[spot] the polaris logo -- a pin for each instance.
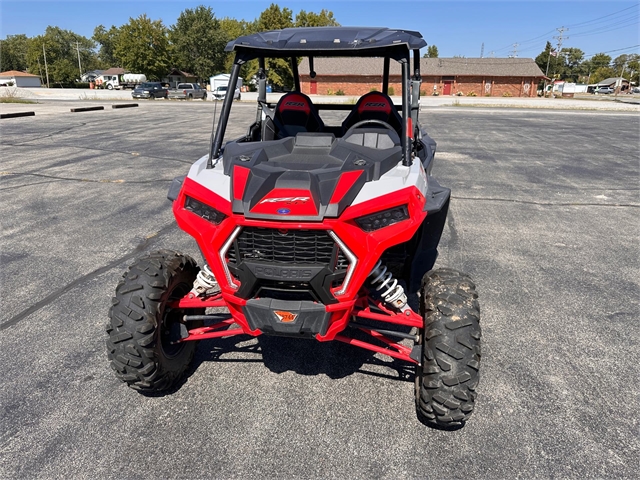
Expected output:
(294, 104)
(288, 200)
(283, 273)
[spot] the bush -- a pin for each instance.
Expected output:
(459, 94)
(340, 92)
(373, 90)
(391, 91)
(329, 91)
(507, 94)
(471, 94)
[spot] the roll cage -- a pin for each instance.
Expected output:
(295, 43)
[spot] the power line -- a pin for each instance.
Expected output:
(611, 51)
(596, 20)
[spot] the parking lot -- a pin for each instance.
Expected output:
(544, 216)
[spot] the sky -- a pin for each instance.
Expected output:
(455, 27)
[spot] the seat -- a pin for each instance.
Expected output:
(296, 113)
(374, 106)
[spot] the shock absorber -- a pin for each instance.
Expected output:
(204, 283)
(394, 293)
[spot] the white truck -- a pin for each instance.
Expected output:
(219, 84)
(121, 82)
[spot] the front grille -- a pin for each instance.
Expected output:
(286, 246)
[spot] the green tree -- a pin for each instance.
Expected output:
(599, 61)
(198, 42)
(143, 47)
(107, 40)
(601, 73)
(432, 52)
(274, 18)
(309, 19)
(627, 66)
(62, 55)
(569, 64)
(233, 29)
(13, 53)
(545, 59)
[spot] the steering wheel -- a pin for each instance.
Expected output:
(365, 122)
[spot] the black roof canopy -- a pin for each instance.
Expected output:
(328, 41)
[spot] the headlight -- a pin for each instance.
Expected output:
(375, 221)
(202, 210)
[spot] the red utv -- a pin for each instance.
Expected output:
(311, 231)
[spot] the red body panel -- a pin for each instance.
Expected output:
(366, 246)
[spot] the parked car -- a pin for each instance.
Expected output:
(150, 90)
(188, 91)
(221, 92)
(635, 90)
(604, 90)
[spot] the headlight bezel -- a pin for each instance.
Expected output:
(383, 218)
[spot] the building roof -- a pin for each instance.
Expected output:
(610, 81)
(175, 71)
(16, 73)
(113, 71)
(488, 67)
(329, 39)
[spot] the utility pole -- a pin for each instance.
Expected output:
(619, 82)
(482, 51)
(79, 64)
(46, 69)
(514, 54)
(560, 38)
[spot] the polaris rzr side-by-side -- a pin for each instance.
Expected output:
(312, 231)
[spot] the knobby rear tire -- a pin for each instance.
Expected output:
(447, 379)
(142, 325)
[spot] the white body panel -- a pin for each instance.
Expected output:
(213, 179)
(397, 178)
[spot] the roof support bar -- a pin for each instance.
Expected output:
(407, 129)
(224, 116)
(296, 75)
(416, 82)
(385, 76)
(262, 88)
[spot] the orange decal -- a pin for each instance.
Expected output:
(286, 317)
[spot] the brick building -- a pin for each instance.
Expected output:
(495, 77)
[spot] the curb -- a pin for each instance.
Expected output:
(86, 109)
(17, 114)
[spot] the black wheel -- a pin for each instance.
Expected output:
(190, 97)
(447, 379)
(143, 328)
(204, 96)
(109, 87)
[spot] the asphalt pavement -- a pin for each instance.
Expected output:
(544, 216)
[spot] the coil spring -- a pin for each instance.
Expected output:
(383, 279)
(204, 281)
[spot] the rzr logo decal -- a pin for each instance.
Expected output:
(285, 317)
(375, 105)
(287, 200)
(294, 104)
